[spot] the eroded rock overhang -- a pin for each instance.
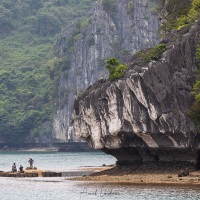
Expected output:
(143, 117)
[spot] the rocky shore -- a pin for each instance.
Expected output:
(128, 175)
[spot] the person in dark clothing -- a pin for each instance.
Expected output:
(21, 169)
(31, 162)
(14, 168)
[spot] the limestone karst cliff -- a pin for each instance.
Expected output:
(127, 27)
(143, 116)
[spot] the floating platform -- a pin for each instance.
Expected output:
(31, 174)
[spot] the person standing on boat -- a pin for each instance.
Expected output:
(31, 162)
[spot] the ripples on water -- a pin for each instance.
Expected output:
(57, 188)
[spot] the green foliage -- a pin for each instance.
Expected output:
(181, 22)
(181, 13)
(194, 12)
(154, 53)
(47, 25)
(116, 70)
(190, 17)
(27, 71)
(175, 9)
(6, 23)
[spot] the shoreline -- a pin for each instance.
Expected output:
(45, 149)
(106, 176)
(158, 180)
(39, 149)
(60, 147)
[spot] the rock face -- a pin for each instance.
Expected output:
(143, 117)
(129, 26)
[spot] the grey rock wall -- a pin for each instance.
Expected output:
(131, 27)
(143, 117)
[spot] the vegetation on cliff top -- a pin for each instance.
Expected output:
(27, 34)
(180, 13)
(183, 13)
(115, 68)
(152, 53)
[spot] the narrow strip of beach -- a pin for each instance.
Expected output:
(36, 149)
(103, 175)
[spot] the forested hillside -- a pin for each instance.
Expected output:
(28, 31)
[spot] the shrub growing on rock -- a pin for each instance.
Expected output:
(115, 68)
(155, 52)
(152, 54)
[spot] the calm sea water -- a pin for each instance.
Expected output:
(57, 161)
(57, 188)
